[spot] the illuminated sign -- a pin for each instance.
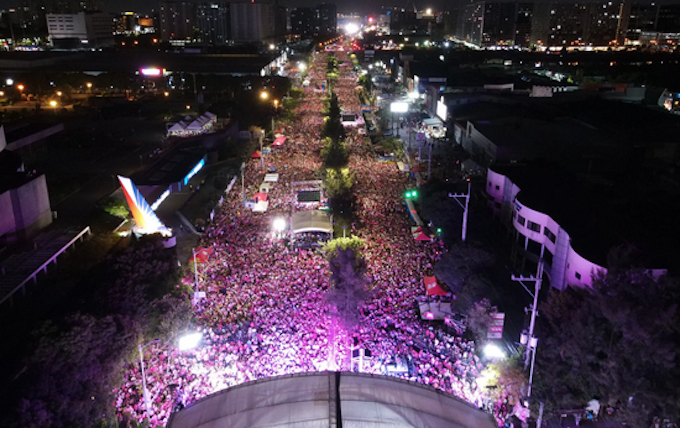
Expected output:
(399, 107)
(151, 72)
(160, 199)
(442, 110)
(194, 171)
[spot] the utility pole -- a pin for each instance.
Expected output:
(529, 340)
(465, 207)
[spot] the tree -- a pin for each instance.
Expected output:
(73, 370)
(348, 291)
(116, 207)
(334, 154)
(332, 124)
(338, 182)
(617, 341)
(479, 318)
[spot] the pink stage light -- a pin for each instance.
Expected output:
(151, 71)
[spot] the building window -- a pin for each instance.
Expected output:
(520, 220)
(534, 226)
(577, 275)
(498, 187)
(547, 257)
(489, 184)
(549, 234)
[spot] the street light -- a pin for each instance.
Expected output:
(493, 352)
(279, 225)
(264, 95)
(53, 103)
(186, 342)
(59, 93)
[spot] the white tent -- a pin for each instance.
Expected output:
(312, 221)
(328, 399)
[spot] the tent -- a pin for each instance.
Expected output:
(256, 155)
(325, 399)
(271, 178)
(261, 207)
(421, 236)
(432, 288)
(265, 187)
(279, 141)
(312, 221)
(201, 254)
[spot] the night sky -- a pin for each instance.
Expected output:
(363, 7)
(344, 6)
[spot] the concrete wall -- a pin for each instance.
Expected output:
(25, 210)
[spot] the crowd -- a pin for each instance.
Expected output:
(265, 312)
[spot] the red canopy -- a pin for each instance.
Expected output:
(260, 197)
(201, 255)
(279, 141)
(256, 155)
(421, 236)
(432, 288)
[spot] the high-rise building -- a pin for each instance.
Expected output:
(496, 23)
(177, 20)
(302, 21)
(212, 19)
(668, 19)
(559, 24)
(321, 20)
(605, 23)
(80, 30)
(326, 19)
(257, 22)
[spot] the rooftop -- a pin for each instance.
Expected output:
(129, 62)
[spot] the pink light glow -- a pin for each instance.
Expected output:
(155, 72)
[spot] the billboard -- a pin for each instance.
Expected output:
(496, 326)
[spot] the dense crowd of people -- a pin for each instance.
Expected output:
(265, 312)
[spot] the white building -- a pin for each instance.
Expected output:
(88, 29)
(539, 236)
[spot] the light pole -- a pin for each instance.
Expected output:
(465, 196)
(196, 295)
(187, 341)
(243, 183)
(529, 340)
